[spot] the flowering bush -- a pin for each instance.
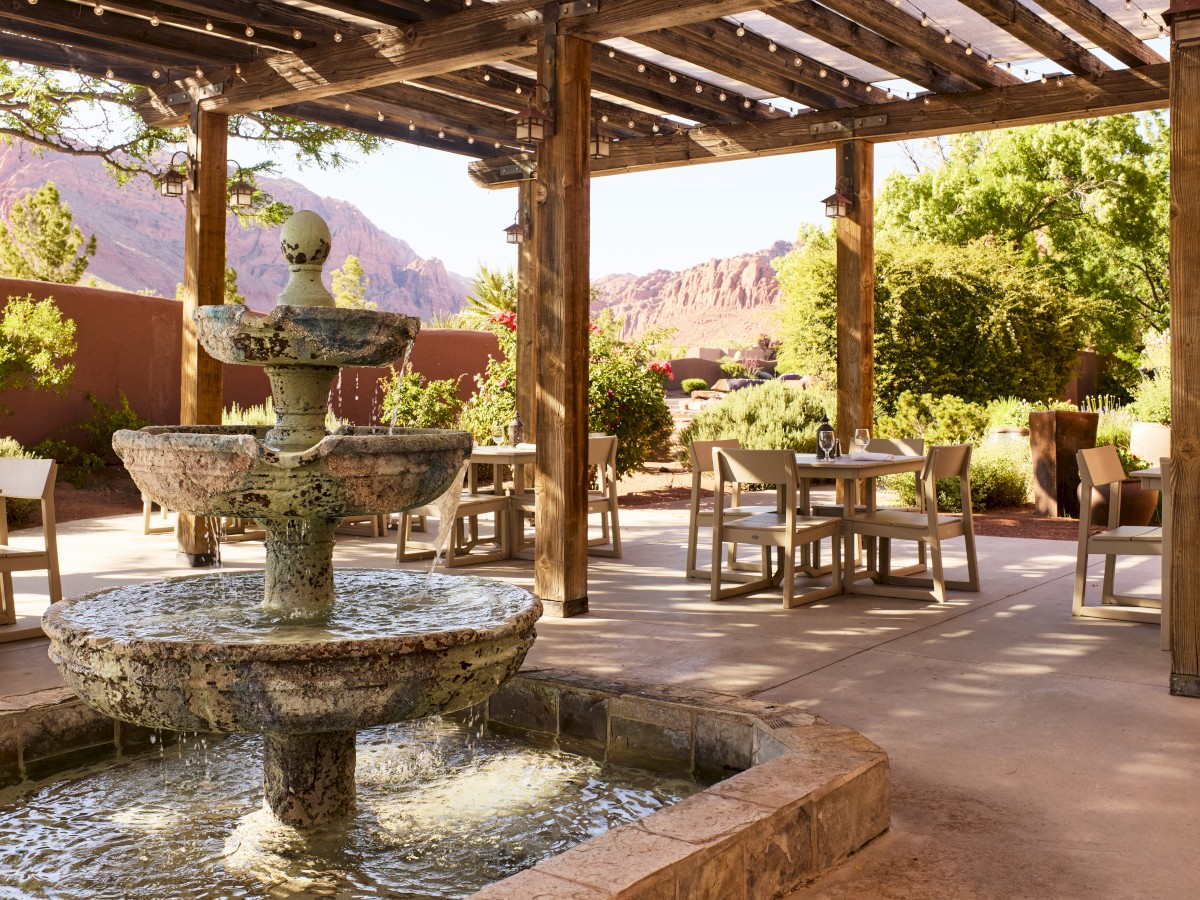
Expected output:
(625, 390)
(411, 401)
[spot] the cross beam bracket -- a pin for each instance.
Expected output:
(847, 126)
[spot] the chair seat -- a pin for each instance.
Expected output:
(899, 518)
(777, 521)
(1125, 534)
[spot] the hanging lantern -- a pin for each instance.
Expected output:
(171, 184)
(532, 123)
(837, 205)
(241, 192)
(600, 143)
(516, 233)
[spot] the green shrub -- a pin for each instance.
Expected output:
(1001, 476)
(693, 384)
(771, 416)
(945, 420)
(18, 512)
(80, 460)
(411, 401)
(626, 384)
(1008, 412)
(36, 344)
(732, 368)
(973, 321)
(257, 414)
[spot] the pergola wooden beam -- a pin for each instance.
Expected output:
(477, 36)
(1078, 97)
(423, 133)
(895, 24)
(850, 37)
(1031, 29)
(1104, 31)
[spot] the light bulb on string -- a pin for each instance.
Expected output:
(199, 72)
(772, 47)
(296, 34)
(337, 37)
(98, 9)
(925, 100)
(746, 103)
(845, 81)
(699, 89)
(470, 139)
(721, 96)
(948, 38)
(869, 88)
(654, 128)
(612, 54)
(672, 78)
(797, 61)
(379, 115)
(604, 118)
(741, 30)
(823, 72)
(441, 133)
(1044, 79)
(154, 20)
(641, 68)
(208, 25)
(237, 68)
(108, 73)
(487, 76)
(154, 73)
(969, 50)
(520, 90)
(924, 20)
(249, 31)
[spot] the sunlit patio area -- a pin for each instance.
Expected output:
(1032, 754)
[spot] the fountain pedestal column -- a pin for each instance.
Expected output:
(299, 568)
(308, 779)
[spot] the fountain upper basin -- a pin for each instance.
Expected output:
(201, 654)
(310, 335)
(229, 471)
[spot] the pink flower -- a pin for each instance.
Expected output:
(594, 328)
(507, 319)
(662, 368)
(503, 383)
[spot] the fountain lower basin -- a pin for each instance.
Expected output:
(203, 654)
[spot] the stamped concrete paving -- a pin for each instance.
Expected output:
(1033, 755)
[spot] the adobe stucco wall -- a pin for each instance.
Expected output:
(132, 343)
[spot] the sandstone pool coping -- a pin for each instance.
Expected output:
(801, 794)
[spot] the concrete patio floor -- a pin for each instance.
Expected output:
(1033, 755)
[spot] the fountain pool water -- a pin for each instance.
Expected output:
(298, 663)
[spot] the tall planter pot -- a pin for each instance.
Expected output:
(1054, 438)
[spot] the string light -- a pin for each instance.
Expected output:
(379, 115)
(969, 50)
(991, 63)
(654, 128)
(612, 54)
(470, 138)
(441, 133)
(520, 90)
(870, 88)
(237, 68)
(1059, 81)
(889, 94)
(924, 20)
(746, 103)
(604, 118)
(346, 107)
(699, 89)
(741, 30)
(948, 38)
(487, 76)
(249, 31)
(925, 100)
(33, 2)
(496, 145)
(208, 25)
(108, 73)
(772, 47)
(641, 68)
(822, 72)
(797, 61)
(721, 96)
(199, 72)
(337, 37)
(154, 20)
(154, 73)
(98, 9)
(296, 33)
(672, 78)
(845, 81)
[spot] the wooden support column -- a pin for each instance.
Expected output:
(856, 291)
(1185, 349)
(527, 312)
(562, 237)
(203, 284)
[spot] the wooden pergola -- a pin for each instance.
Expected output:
(662, 83)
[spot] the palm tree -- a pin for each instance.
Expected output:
(492, 292)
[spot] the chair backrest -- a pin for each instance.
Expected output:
(602, 451)
(757, 466)
(897, 446)
(947, 461)
(702, 453)
(1100, 465)
(27, 479)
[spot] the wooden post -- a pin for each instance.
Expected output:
(856, 291)
(527, 309)
(562, 238)
(203, 284)
(1184, 539)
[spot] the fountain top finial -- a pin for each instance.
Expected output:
(305, 242)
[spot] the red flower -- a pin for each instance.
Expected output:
(594, 328)
(662, 368)
(507, 319)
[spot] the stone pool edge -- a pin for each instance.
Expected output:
(804, 794)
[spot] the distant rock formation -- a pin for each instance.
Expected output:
(140, 237)
(717, 302)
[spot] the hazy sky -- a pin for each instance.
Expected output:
(667, 219)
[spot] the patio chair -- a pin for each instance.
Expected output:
(27, 479)
(700, 515)
(1100, 466)
(601, 501)
(148, 527)
(783, 527)
(929, 527)
(460, 530)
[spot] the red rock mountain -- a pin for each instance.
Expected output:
(140, 237)
(712, 304)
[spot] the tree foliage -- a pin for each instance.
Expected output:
(40, 240)
(350, 286)
(95, 117)
(232, 296)
(36, 345)
(973, 321)
(1087, 201)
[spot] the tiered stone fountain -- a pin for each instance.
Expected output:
(321, 655)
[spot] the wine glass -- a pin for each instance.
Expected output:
(498, 435)
(825, 443)
(862, 437)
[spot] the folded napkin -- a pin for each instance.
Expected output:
(872, 457)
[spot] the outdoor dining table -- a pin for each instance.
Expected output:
(849, 469)
(1152, 480)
